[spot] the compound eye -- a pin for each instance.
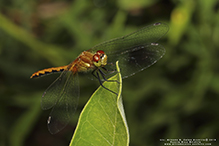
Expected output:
(100, 52)
(96, 57)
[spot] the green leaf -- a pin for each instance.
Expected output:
(102, 121)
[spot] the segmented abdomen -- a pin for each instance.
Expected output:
(48, 71)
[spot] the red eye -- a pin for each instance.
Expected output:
(100, 52)
(96, 57)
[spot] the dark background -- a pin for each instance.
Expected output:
(178, 97)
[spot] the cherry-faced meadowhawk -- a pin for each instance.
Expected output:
(135, 52)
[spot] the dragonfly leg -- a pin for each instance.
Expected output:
(112, 70)
(104, 74)
(97, 75)
(109, 72)
(93, 73)
(101, 83)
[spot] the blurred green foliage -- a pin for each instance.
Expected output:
(175, 98)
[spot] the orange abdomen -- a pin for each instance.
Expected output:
(48, 71)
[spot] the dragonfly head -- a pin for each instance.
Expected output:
(100, 59)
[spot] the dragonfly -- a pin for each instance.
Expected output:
(135, 52)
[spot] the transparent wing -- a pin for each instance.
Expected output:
(135, 51)
(63, 94)
(136, 59)
(52, 93)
